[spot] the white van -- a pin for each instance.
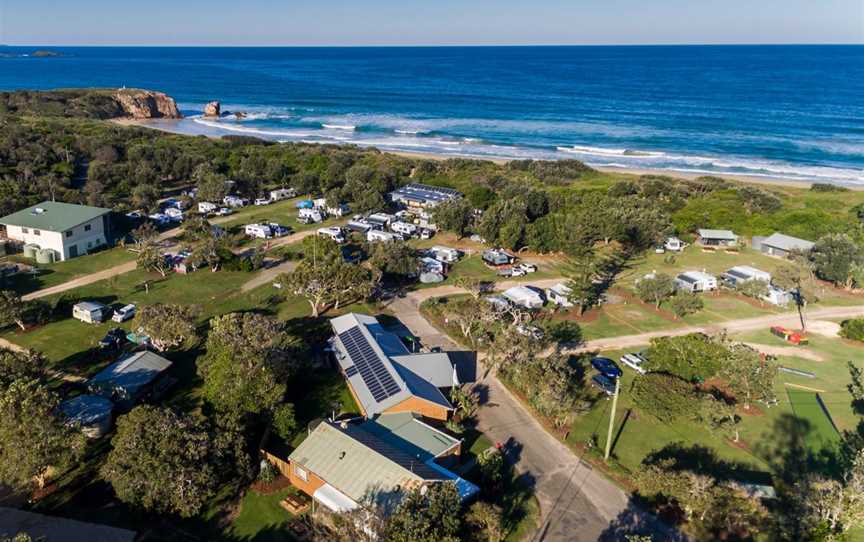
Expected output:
(124, 313)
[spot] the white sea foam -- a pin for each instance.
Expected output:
(347, 127)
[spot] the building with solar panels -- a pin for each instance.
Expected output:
(384, 377)
(423, 196)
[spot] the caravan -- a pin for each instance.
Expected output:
(560, 295)
(332, 233)
(445, 254)
(738, 275)
(282, 193)
(377, 235)
(403, 228)
(259, 231)
(205, 207)
(309, 216)
(695, 281)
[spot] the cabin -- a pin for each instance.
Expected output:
(58, 231)
(127, 381)
(560, 295)
(497, 257)
(717, 238)
(695, 281)
(445, 254)
(781, 246)
(423, 196)
(90, 312)
(738, 275)
(382, 375)
(342, 465)
(91, 414)
(374, 236)
(525, 297)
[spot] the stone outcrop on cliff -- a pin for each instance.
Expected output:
(147, 104)
(212, 109)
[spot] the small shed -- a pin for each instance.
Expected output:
(90, 312)
(717, 238)
(560, 295)
(90, 413)
(128, 380)
(781, 245)
(524, 296)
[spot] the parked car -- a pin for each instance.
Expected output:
(124, 313)
(606, 384)
(527, 267)
(113, 339)
(634, 361)
(262, 201)
(222, 211)
(607, 367)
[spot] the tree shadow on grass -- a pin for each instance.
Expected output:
(636, 520)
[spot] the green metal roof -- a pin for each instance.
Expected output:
(406, 431)
(53, 216)
(357, 463)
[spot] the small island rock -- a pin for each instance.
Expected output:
(212, 109)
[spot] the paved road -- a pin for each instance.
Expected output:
(577, 503)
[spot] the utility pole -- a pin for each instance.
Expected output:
(612, 419)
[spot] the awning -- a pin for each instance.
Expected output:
(466, 489)
(334, 499)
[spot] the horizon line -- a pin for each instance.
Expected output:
(444, 46)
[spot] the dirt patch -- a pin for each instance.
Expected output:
(790, 351)
(749, 300)
(278, 484)
(741, 444)
(591, 315)
(751, 410)
(824, 328)
(628, 297)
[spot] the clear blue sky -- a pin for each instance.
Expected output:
(432, 22)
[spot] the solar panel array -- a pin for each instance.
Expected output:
(372, 370)
(351, 371)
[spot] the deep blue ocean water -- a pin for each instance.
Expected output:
(775, 111)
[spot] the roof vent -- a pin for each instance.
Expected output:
(38, 210)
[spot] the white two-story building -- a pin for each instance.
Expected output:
(67, 229)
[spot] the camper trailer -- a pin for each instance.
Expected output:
(374, 236)
(673, 244)
(90, 312)
(333, 233)
(560, 295)
(695, 281)
(258, 231)
(282, 193)
(497, 257)
(445, 254)
(309, 216)
(380, 220)
(403, 228)
(235, 201)
(205, 207)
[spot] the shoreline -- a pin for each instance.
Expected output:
(777, 182)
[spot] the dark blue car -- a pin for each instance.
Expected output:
(607, 367)
(606, 385)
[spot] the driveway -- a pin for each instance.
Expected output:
(576, 502)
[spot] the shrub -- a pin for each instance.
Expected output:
(853, 329)
(827, 187)
(665, 397)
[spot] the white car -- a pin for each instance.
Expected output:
(223, 211)
(530, 331)
(123, 313)
(634, 361)
(262, 201)
(518, 271)
(527, 267)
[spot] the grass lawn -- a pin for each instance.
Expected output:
(60, 272)
(261, 519)
(282, 212)
(806, 406)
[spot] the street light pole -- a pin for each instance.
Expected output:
(612, 419)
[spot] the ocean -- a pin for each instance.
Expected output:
(794, 112)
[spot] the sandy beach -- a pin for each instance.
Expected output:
(175, 127)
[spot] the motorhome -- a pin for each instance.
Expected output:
(235, 201)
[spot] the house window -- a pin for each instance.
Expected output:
(69, 233)
(25, 230)
(87, 227)
(37, 232)
(301, 473)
